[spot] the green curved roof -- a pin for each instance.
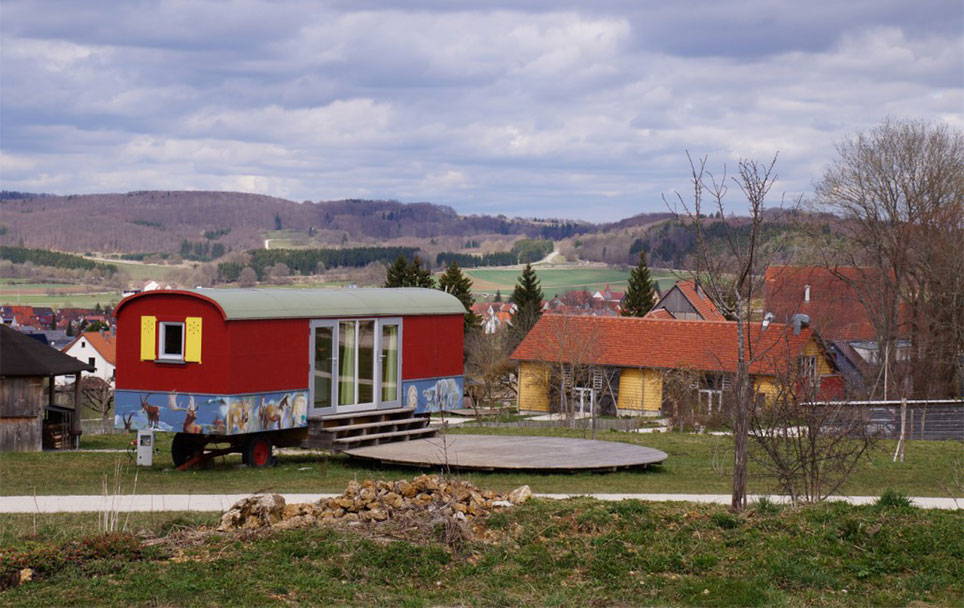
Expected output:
(315, 303)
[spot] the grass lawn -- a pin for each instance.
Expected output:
(542, 553)
(557, 281)
(689, 469)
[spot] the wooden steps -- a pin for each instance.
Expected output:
(374, 427)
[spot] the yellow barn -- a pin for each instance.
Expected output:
(632, 357)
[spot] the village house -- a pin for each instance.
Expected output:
(836, 303)
(629, 357)
(685, 301)
(99, 350)
(494, 316)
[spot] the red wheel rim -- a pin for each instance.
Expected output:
(260, 453)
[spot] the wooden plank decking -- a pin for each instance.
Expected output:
(497, 452)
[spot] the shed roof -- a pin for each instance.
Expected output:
(240, 304)
(24, 356)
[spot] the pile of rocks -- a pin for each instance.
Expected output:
(374, 501)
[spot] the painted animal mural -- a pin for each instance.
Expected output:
(270, 413)
(190, 413)
(199, 414)
(190, 426)
(153, 412)
(238, 412)
(299, 411)
(443, 395)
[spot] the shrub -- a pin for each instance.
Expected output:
(765, 506)
(893, 500)
(727, 521)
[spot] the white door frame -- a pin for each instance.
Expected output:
(376, 403)
(333, 324)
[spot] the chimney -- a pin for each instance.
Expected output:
(799, 322)
(806, 293)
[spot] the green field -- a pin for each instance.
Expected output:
(557, 281)
(80, 300)
(142, 272)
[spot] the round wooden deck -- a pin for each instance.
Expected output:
(511, 453)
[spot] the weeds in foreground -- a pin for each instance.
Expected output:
(567, 553)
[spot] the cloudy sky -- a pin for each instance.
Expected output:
(525, 107)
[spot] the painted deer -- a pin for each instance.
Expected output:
(153, 412)
(189, 425)
(127, 421)
(271, 414)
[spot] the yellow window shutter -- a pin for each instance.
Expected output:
(192, 339)
(148, 338)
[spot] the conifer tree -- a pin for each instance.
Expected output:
(498, 296)
(527, 297)
(456, 283)
(640, 295)
(420, 276)
(398, 273)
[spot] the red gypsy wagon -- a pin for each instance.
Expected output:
(260, 367)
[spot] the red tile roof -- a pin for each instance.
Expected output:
(105, 344)
(642, 342)
(835, 307)
(659, 313)
(700, 301)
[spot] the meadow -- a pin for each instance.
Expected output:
(557, 281)
(696, 464)
(579, 552)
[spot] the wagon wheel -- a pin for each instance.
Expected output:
(184, 447)
(257, 452)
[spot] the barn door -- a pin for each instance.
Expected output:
(323, 358)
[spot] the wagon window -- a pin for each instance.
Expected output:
(171, 342)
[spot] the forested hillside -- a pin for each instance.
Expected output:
(191, 223)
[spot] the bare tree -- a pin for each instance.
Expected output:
(731, 277)
(98, 395)
(808, 447)
(248, 277)
(487, 365)
(899, 189)
(571, 345)
(681, 397)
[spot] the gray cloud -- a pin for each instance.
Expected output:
(533, 108)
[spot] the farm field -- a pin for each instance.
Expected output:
(141, 272)
(929, 468)
(557, 281)
(37, 295)
(579, 552)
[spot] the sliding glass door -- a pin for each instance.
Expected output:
(355, 364)
(322, 352)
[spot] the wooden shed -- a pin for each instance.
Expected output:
(26, 414)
